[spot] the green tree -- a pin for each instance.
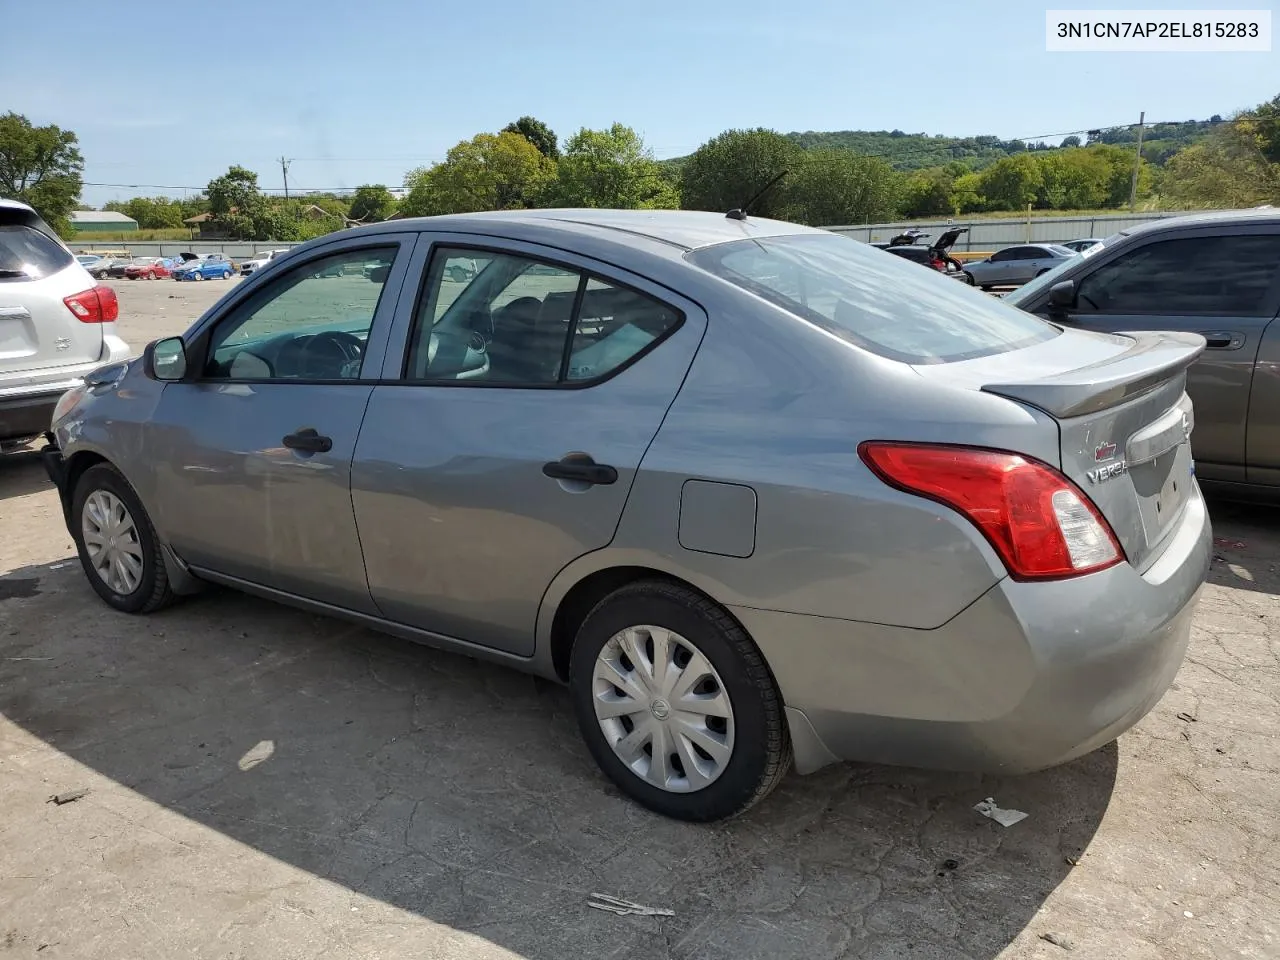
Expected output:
(966, 194)
(1071, 141)
(728, 170)
(537, 133)
(152, 213)
(234, 191)
(834, 187)
(488, 172)
(1220, 174)
(372, 202)
(1011, 183)
(611, 168)
(927, 193)
(41, 166)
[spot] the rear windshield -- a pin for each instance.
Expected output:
(883, 304)
(27, 254)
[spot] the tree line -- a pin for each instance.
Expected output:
(827, 181)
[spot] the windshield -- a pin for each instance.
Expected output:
(886, 305)
(1029, 290)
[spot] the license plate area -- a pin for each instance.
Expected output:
(1162, 486)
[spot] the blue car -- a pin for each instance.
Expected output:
(204, 270)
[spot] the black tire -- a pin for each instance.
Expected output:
(986, 288)
(1042, 272)
(762, 747)
(152, 591)
(968, 278)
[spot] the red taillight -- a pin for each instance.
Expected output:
(939, 265)
(95, 305)
(1042, 525)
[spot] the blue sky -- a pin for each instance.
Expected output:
(172, 94)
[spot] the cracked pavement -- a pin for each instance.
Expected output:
(265, 783)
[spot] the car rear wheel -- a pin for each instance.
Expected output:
(676, 704)
(117, 543)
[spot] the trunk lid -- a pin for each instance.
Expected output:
(1124, 420)
(948, 239)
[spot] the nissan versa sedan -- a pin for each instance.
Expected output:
(763, 497)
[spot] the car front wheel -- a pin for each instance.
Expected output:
(968, 278)
(117, 544)
(676, 704)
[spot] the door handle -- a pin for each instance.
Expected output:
(308, 440)
(1223, 339)
(581, 468)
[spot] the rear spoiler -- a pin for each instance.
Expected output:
(19, 214)
(1153, 359)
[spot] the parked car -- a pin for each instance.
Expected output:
(56, 323)
(1015, 265)
(912, 246)
(259, 260)
(1078, 245)
(204, 269)
(1216, 275)
(700, 471)
(87, 260)
(146, 268)
(101, 269)
(116, 270)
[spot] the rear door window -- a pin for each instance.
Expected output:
(27, 254)
(1222, 276)
(881, 304)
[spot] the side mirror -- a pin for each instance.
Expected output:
(166, 360)
(1062, 296)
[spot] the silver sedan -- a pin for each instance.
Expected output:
(764, 498)
(1014, 266)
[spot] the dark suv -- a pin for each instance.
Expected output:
(911, 245)
(1215, 274)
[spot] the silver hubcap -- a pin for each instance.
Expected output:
(111, 540)
(663, 709)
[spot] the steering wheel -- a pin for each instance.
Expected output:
(318, 354)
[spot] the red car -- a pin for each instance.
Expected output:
(146, 268)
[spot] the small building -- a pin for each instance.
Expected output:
(101, 221)
(203, 225)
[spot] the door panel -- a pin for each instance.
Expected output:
(461, 525)
(234, 498)
(1263, 436)
(253, 452)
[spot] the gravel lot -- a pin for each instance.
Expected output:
(269, 784)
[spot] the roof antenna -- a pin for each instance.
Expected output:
(740, 213)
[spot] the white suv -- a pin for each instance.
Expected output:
(56, 323)
(259, 260)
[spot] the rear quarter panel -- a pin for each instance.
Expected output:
(777, 405)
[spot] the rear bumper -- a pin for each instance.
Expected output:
(27, 415)
(1029, 676)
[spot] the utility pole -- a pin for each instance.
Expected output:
(284, 170)
(1137, 164)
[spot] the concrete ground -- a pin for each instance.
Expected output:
(269, 784)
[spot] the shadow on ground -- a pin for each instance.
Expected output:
(21, 473)
(1246, 546)
(460, 791)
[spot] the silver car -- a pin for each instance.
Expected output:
(763, 497)
(56, 323)
(1016, 265)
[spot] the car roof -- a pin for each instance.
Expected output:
(684, 229)
(1210, 218)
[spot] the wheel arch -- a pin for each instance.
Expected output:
(575, 593)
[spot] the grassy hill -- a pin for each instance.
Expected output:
(917, 151)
